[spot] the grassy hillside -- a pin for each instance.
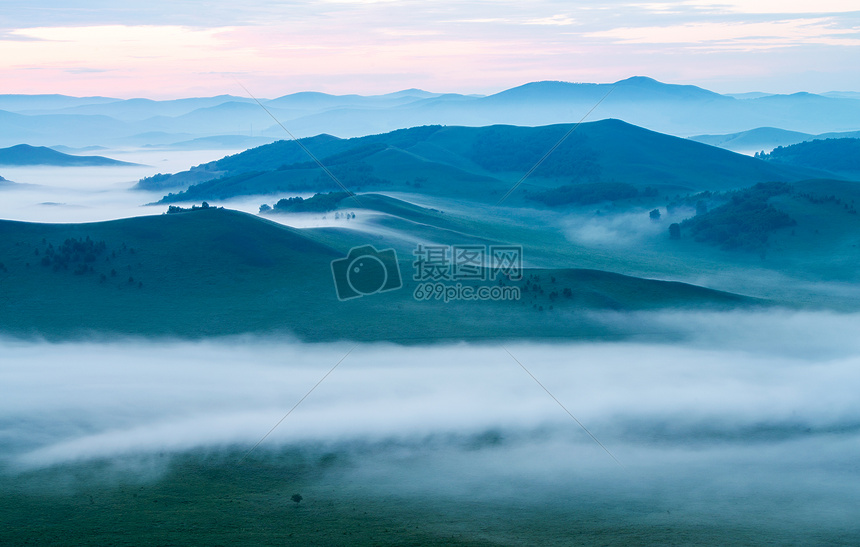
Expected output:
(481, 162)
(215, 272)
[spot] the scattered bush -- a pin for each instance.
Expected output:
(745, 221)
(319, 203)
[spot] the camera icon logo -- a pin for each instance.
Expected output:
(365, 271)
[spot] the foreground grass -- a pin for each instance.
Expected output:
(214, 498)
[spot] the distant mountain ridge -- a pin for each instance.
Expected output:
(766, 139)
(478, 162)
(638, 88)
(680, 110)
(18, 102)
(24, 154)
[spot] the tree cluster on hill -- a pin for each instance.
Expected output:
(744, 221)
(319, 203)
(174, 209)
(81, 252)
(588, 193)
(840, 155)
(83, 257)
(155, 182)
(832, 199)
(701, 201)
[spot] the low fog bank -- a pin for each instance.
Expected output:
(741, 382)
(616, 230)
(752, 423)
(814, 336)
(92, 194)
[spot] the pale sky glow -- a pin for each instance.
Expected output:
(769, 34)
(162, 49)
(775, 6)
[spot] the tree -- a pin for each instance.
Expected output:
(296, 498)
(674, 231)
(654, 214)
(701, 207)
(265, 208)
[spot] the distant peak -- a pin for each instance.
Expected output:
(27, 147)
(640, 79)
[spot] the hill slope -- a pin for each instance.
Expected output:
(481, 162)
(838, 156)
(216, 272)
(766, 138)
(24, 154)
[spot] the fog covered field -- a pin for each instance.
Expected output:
(733, 433)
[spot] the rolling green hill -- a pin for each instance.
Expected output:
(480, 163)
(217, 272)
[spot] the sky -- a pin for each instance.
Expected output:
(165, 49)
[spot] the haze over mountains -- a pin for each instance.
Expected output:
(674, 109)
(594, 211)
(766, 139)
(691, 303)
